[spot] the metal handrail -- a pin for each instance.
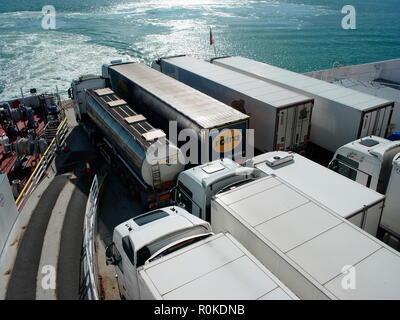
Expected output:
(46, 155)
(89, 285)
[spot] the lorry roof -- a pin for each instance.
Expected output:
(200, 108)
(216, 268)
(147, 233)
(216, 169)
(313, 239)
(377, 149)
(320, 183)
(267, 93)
(345, 96)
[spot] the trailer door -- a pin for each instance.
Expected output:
(302, 125)
(365, 125)
(386, 114)
(286, 128)
(293, 126)
(376, 122)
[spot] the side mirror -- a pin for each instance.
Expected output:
(110, 257)
(173, 195)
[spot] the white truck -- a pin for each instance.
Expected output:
(340, 115)
(280, 118)
(354, 202)
(374, 162)
(170, 254)
(315, 252)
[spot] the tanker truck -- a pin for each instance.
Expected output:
(127, 140)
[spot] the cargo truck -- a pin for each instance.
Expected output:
(170, 254)
(374, 163)
(147, 159)
(314, 251)
(360, 205)
(280, 118)
(354, 202)
(303, 242)
(217, 129)
(340, 115)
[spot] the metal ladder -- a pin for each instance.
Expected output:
(156, 175)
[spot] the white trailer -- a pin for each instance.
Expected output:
(391, 217)
(164, 101)
(315, 252)
(279, 117)
(354, 202)
(380, 89)
(170, 254)
(340, 115)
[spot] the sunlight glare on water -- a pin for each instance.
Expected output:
(300, 35)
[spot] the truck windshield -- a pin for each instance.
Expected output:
(180, 245)
(150, 249)
(150, 217)
(236, 184)
(343, 169)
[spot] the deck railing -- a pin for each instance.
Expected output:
(43, 164)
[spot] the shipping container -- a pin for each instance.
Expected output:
(340, 115)
(314, 251)
(279, 117)
(162, 100)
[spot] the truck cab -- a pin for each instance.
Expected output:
(367, 161)
(196, 186)
(77, 92)
(148, 237)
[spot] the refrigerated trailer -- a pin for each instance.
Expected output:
(314, 251)
(162, 99)
(354, 202)
(279, 117)
(340, 115)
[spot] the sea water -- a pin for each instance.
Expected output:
(300, 35)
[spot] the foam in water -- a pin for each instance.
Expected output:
(48, 60)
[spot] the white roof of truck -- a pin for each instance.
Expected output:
(218, 268)
(336, 192)
(314, 87)
(316, 241)
(267, 93)
(200, 108)
(378, 147)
